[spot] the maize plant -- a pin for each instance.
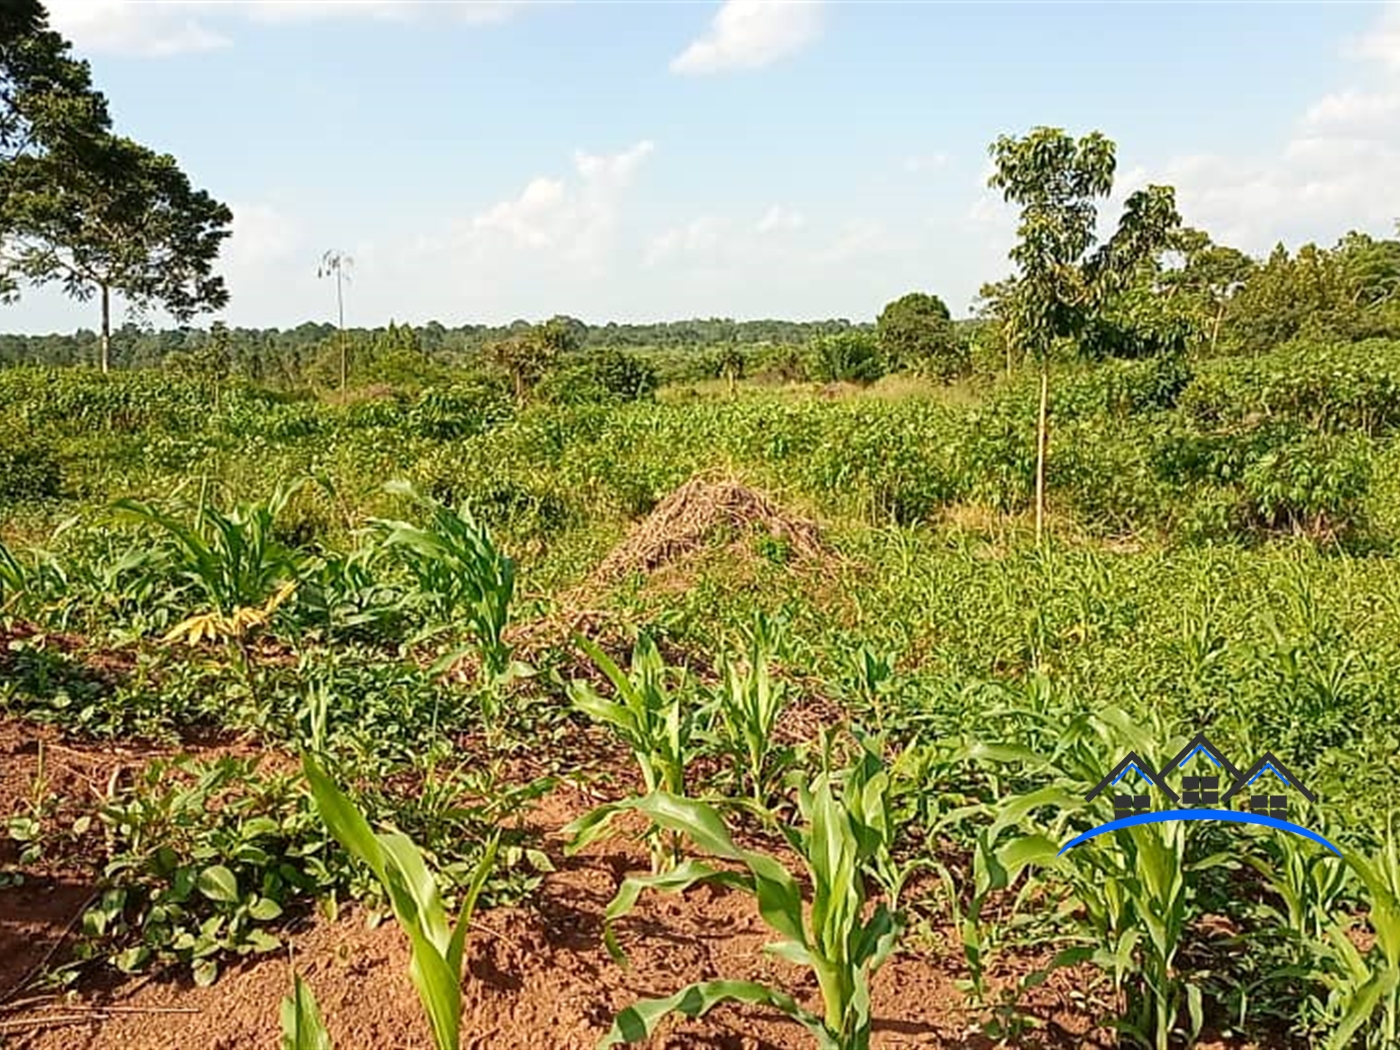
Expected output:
(748, 703)
(435, 965)
(652, 720)
(302, 1027)
(233, 559)
(1365, 987)
(845, 841)
(459, 573)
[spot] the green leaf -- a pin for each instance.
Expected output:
(640, 1019)
(302, 1027)
(218, 884)
(265, 909)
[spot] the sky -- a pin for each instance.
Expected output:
(482, 162)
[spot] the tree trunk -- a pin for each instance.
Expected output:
(1041, 442)
(106, 329)
(1215, 328)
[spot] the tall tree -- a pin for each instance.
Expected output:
(916, 331)
(109, 215)
(46, 100)
(1060, 285)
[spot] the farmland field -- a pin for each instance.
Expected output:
(202, 589)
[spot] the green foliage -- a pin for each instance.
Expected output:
(29, 469)
(916, 332)
(846, 357)
(203, 859)
(846, 839)
(652, 719)
(748, 702)
(460, 574)
(435, 965)
(302, 1027)
(606, 376)
(232, 559)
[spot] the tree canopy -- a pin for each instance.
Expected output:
(97, 212)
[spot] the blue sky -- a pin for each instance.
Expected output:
(752, 158)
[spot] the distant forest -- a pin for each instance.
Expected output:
(273, 354)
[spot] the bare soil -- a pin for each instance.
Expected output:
(538, 976)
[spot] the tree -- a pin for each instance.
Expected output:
(46, 100)
(46, 95)
(1059, 286)
(336, 263)
(847, 357)
(916, 331)
(109, 215)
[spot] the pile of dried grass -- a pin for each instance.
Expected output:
(686, 519)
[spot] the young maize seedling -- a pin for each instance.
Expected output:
(302, 1027)
(748, 702)
(435, 965)
(460, 572)
(1366, 991)
(846, 838)
(651, 720)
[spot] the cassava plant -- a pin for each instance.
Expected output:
(435, 965)
(845, 844)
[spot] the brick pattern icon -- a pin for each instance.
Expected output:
(1127, 805)
(1200, 791)
(1268, 805)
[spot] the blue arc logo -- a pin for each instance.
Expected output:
(1199, 814)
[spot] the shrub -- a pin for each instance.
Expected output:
(599, 376)
(29, 470)
(846, 357)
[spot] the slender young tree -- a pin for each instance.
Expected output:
(336, 263)
(1059, 286)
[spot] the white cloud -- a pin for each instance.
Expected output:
(262, 234)
(128, 28)
(778, 218)
(747, 34)
(1353, 109)
(1382, 41)
(573, 222)
(149, 29)
(699, 237)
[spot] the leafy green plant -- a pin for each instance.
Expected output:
(652, 719)
(204, 860)
(302, 1027)
(748, 702)
(845, 841)
(435, 965)
(1365, 986)
(232, 559)
(459, 572)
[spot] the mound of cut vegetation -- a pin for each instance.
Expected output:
(705, 506)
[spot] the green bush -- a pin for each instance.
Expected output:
(846, 357)
(599, 376)
(29, 470)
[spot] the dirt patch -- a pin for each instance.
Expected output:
(538, 977)
(705, 506)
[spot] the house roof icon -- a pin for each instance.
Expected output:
(1266, 764)
(1198, 744)
(1131, 761)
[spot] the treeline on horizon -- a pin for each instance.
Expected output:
(268, 354)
